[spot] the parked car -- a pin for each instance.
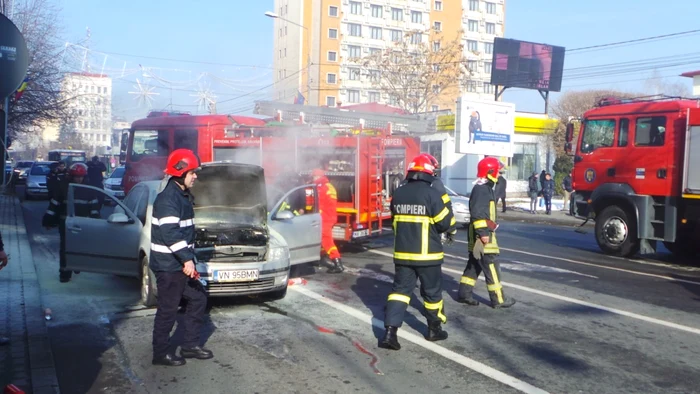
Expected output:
(113, 184)
(21, 170)
(460, 207)
(36, 180)
(243, 245)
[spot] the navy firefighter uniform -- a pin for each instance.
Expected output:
(419, 217)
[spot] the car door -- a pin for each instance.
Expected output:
(302, 231)
(105, 245)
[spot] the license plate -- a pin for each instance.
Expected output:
(236, 276)
(361, 233)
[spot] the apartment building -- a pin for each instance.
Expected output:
(315, 41)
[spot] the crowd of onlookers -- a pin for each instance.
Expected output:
(540, 190)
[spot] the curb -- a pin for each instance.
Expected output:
(541, 218)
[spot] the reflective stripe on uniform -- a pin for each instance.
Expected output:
(399, 297)
(480, 224)
(453, 221)
(50, 212)
(54, 202)
(419, 256)
(165, 220)
(172, 249)
(441, 215)
(94, 212)
(86, 201)
(497, 287)
(445, 198)
(187, 223)
(468, 281)
(436, 306)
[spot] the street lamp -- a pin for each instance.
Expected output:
(273, 15)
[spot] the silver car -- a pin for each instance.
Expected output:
(243, 246)
(113, 184)
(36, 180)
(460, 207)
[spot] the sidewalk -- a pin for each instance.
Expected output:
(518, 210)
(28, 361)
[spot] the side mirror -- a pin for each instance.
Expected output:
(119, 210)
(118, 218)
(568, 148)
(284, 215)
(569, 132)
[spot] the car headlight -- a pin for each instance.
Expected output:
(458, 206)
(278, 253)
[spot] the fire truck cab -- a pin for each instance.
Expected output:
(637, 174)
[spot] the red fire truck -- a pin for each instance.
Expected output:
(364, 165)
(637, 174)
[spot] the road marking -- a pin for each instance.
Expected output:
(620, 312)
(420, 341)
(595, 265)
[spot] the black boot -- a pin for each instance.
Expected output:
(435, 332)
(196, 352)
(390, 340)
(337, 266)
(465, 295)
(169, 360)
(505, 302)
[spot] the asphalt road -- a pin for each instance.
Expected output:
(584, 322)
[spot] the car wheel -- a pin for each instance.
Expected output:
(277, 295)
(148, 284)
(616, 232)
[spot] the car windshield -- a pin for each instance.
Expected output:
(42, 169)
(118, 173)
(24, 164)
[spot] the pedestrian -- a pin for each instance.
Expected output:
(172, 260)
(85, 203)
(533, 192)
(3, 263)
(541, 178)
(96, 170)
(568, 186)
(548, 192)
(56, 175)
(327, 204)
(483, 246)
(419, 215)
(500, 190)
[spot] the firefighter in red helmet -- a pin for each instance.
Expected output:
(85, 202)
(327, 205)
(172, 260)
(483, 246)
(419, 216)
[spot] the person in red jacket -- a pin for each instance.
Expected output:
(327, 205)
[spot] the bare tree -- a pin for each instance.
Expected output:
(416, 73)
(657, 85)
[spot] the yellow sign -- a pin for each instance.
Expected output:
(446, 123)
(524, 124)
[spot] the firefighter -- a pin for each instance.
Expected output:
(55, 177)
(173, 262)
(419, 216)
(483, 246)
(86, 205)
(327, 205)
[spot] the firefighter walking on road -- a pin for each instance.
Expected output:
(327, 204)
(172, 260)
(419, 216)
(483, 246)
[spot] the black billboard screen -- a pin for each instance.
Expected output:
(521, 64)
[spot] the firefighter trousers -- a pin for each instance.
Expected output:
(327, 242)
(173, 287)
(62, 250)
(430, 290)
(492, 271)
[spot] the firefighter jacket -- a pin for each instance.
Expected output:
(437, 184)
(419, 215)
(53, 180)
(327, 201)
(172, 229)
(85, 203)
(482, 207)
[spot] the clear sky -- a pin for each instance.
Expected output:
(235, 39)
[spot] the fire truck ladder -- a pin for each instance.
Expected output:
(375, 169)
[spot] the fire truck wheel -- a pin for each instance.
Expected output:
(616, 232)
(148, 284)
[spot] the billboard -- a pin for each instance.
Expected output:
(522, 64)
(485, 127)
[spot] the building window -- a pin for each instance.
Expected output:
(488, 88)
(487, 67)
(472, 65)
(354, 51)
(355, 8)
(435, 108)
(436, 46)
(353, 96)
(396, 35)
(437, 26)
(354, 74)
(488, 47)
(374, 51)
(490, 8)
(473, 5)
(105, 90)
(377, 11)
(332, 11)
(438, 5)
(374, 75)
(524, 161)
(397, 14)
(416, 17)
(416, 38)
(472, 45)
(490, 28)
(355, 30)
(374, 97)
(376, 32)
(331, 79)
(285, 52)
(471, 86)
(436, 89)
(333, 33)
(473, 25)
(332, 56)
(330, 101)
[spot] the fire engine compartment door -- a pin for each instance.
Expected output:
(691, 169)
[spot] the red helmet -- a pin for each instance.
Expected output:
(488, 168)
(180, 162)
(318, 172)
(422, 163)
(432, 159)
(77, 169)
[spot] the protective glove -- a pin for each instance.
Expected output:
(448, 239)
